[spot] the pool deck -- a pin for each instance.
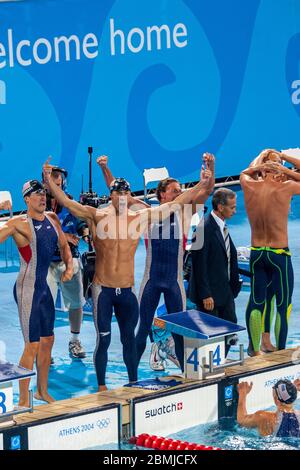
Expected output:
(123, 395)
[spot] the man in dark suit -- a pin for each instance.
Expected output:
(214, 282)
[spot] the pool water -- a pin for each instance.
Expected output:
(234, 437)
(73, 377)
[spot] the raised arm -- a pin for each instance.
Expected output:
(263, 156)
(243, 418)
(292, 174)
(264, 421)
(163, 211)
(280, 169)
(209, 160)
(207, 177)
(108, 176)
(295, 161)
(83, 212)
(250, 174)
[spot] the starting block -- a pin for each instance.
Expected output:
(8, 374)
(204, 341)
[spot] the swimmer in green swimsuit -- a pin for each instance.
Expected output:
(268, 190)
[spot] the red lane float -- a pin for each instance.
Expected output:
(162, 443)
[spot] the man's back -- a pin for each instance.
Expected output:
(267, 204)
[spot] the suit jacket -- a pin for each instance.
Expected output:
(209, 275)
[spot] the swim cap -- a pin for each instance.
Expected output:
(286, 391)
(119, 185)
(32, 186)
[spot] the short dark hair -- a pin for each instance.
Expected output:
(162, 186)
(221, 196)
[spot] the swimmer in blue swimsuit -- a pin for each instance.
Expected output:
(36, 237)
(284, 422)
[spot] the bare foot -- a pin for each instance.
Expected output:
(257, 353)
(266, 345)
(102, 388)
(253, 353)
(268, 348)
(24, 404)
(44, 396)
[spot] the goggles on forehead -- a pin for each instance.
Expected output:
(40, 192)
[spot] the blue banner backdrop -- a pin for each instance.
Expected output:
(149, 83)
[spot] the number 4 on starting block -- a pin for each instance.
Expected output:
(196, 353)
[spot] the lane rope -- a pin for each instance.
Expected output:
(162, 443)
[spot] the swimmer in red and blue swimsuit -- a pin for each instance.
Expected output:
(36, 237)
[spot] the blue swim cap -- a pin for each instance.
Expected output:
(286, 391)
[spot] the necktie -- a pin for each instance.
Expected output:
(227, 246)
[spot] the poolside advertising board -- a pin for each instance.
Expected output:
(173, 412)
(83, 431)
(261, 396)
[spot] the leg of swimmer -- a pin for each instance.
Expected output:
(254, 326)
(102, 319)
(127, 314)
(284, 284)
(148, 305)
(268, 315)
(256, 302)
(281, 326)
(43, 365)
(27, 361)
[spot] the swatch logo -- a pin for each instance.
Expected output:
(165, 409)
